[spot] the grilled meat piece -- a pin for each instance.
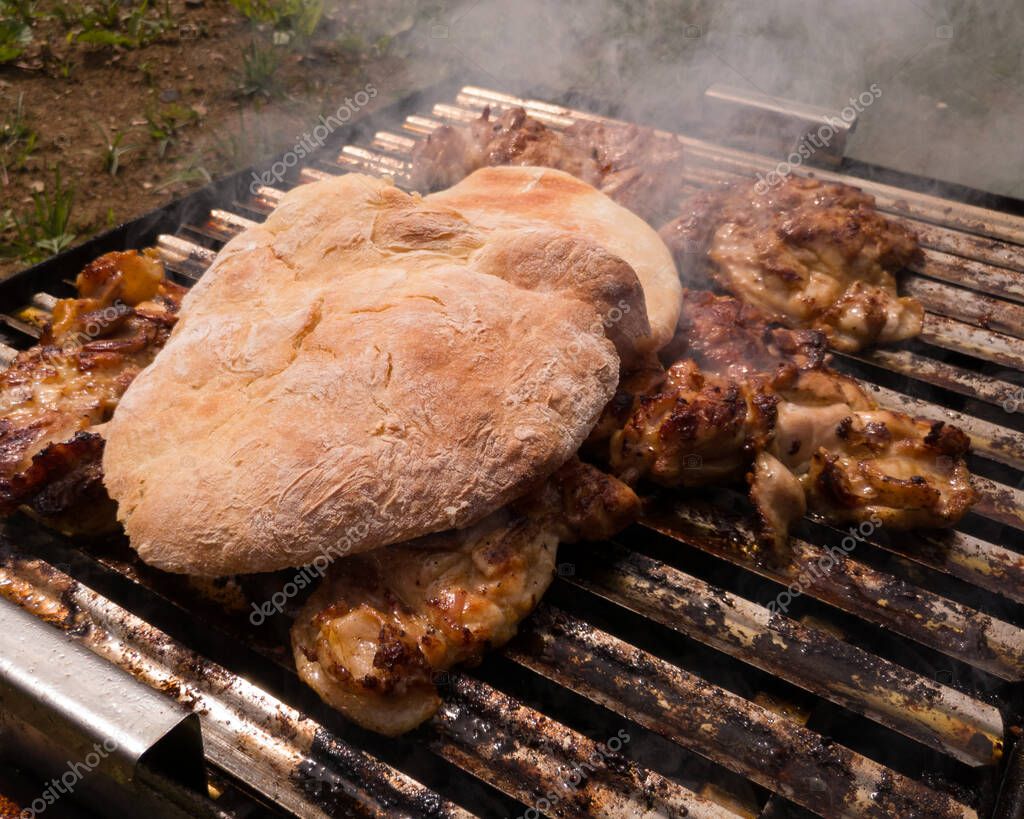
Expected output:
(453, 152)
(385, 626)
(637, 167)
(806, 253)
(694, 429)
(727, 337)
(53, 394)
(749, 397)
(858, 462)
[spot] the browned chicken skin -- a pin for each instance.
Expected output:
(805, 253)
(54, 394)
(749, 398)
(637, 167)
(377, 635)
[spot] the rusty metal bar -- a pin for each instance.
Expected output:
(831, 576)
(974, 341)
(985, 388)
(999, 502)
(915, 706)
(779, 754)
(547, 765)
(967, 306)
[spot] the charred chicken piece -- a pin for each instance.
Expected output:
(691, 429)
(637, 167)
(452, 152)
(727, 337)
(805, 253)
(54, 394)
(384, 626)
(858, 462)
(748, 397)
(640, 168)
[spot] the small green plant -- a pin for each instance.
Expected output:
(113, 151)
(15, 36)
(23, 10)
(17, 139)
(111, 23)
(258, 76)
(192, 171)
(293, 21)
(164, 124)
(45, 230)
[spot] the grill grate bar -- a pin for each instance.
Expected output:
(993, 391)
(779, 754)
(988, 251)
(973, 560)
(832, 577)
(967, 306)
(973, 341)
(812, 659)
(541, 762)
(999, 502)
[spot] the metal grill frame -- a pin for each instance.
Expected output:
(194, 209)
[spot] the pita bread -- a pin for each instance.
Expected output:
(362, 369)
(521, 196)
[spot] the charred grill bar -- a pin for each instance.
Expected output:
(890, 683)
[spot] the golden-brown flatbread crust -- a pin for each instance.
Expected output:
(511, 196)
(357, 371)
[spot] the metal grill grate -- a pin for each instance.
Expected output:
(889, 688)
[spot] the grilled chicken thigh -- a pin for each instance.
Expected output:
(53, 395)
(859, 462)
(376, 637)
(692, 429)
(805, 253)
(750, 398)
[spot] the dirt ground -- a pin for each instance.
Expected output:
(129, 127)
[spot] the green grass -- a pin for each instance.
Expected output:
(165, 123)
(45, 229)
(15, 32)
(113, 23)
(294, 21)
(17, 140)
(258, 76)
(113, 152)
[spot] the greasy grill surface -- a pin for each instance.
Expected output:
(669, 673)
